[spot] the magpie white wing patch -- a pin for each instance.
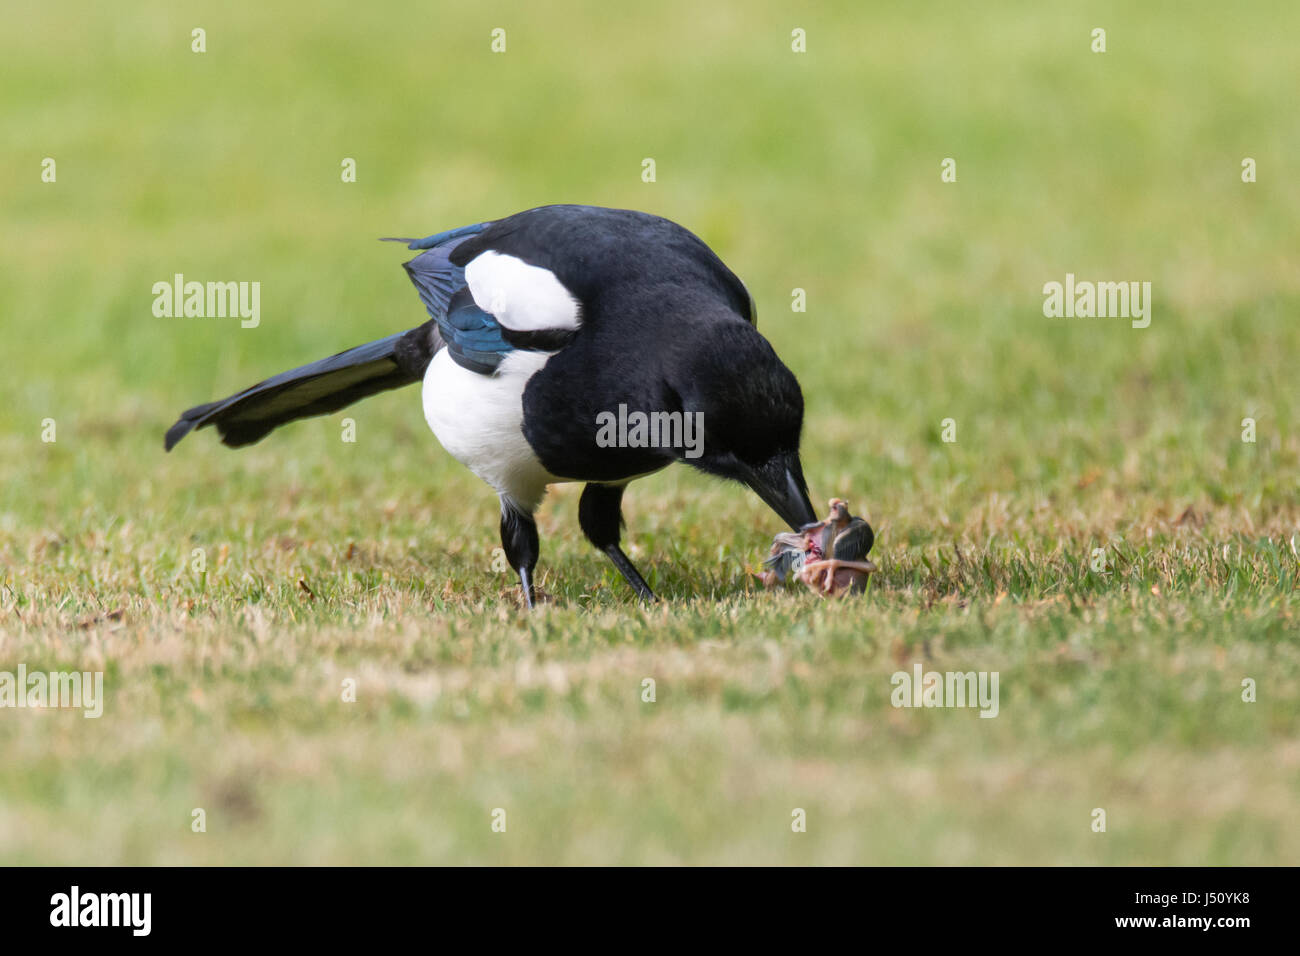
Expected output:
(521, 297)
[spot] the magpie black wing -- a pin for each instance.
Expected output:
(593, 251)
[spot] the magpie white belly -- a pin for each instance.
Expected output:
(479, 420)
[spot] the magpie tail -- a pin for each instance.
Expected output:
(316, 389)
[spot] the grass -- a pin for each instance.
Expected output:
(325, 561)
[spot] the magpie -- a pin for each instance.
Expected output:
(542, 323)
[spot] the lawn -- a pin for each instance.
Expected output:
(1099, 532)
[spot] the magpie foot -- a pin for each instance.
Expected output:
(600, 513)
(519, 539)
(526, 586)
(630, 573)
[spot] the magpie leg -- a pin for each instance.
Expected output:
(519, 539)
(600, 513)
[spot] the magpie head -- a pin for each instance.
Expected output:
(751, 409)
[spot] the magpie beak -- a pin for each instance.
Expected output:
(780, 483)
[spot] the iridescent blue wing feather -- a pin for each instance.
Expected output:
(474, 338)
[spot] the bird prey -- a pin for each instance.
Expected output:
(829, 556)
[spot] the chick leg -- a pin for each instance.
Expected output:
(823, 572)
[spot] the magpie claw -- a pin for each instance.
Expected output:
(527, 586)
(630, 573)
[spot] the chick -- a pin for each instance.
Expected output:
(842, 566)
(829, 556)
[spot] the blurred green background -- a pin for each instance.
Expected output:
(818, 171)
